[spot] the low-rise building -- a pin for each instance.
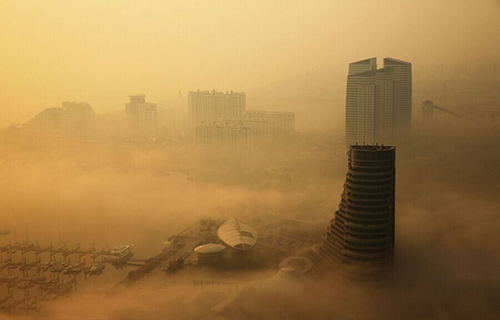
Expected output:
(223, 136)
(72, 117)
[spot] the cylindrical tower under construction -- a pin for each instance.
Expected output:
(362, 231)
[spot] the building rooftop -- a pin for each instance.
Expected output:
(215, 92)
(237, 235)
(209, 249)
(368, 147)
(392, 60)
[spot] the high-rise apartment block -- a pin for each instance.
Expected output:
(378, 102)
(222, 119)
(362, 230)
(214, 106)
(142, 116)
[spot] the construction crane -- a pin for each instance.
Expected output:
(428, 108)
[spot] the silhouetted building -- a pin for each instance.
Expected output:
(402, 77)
(362, 230)
(211, 106)
(50, 120)
(147, 118)
(378, 102)
(263, 126)
(269, 125)
(132, 109)
(81, 115)
(142, 116)
(230, 136)
(72, 117)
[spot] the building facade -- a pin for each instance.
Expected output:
(132, 109)
(252, 129)
(81, 115)
(402, 75)
(228, 136)
(147, 118)
(214, 106)
(50, 121)
(269, 125)
(72, 117)
(142, 116)
(361, 234)
(378, 102)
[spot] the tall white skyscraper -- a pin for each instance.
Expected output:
(402, 97)
(378, 102)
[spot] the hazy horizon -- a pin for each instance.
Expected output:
(332, 222)
(101, 52)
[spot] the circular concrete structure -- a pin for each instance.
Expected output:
(209, 249)
(296, 265)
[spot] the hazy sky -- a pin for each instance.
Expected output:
(101, 51)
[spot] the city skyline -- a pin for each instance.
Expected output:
(167, 50)
(244, 160)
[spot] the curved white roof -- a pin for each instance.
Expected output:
(209, 248)
(237, 235)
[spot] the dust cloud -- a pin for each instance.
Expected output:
(109, 187)
(446, 234)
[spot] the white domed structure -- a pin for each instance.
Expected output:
(209, 249)
(237, 235)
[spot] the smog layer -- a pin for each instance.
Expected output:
(68, 197)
